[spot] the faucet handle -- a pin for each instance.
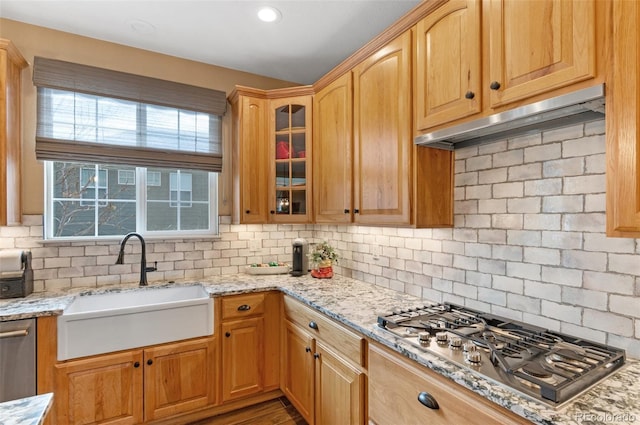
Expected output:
(152, 269)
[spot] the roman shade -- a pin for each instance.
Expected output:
(89, 114)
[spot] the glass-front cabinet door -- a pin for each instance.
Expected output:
(291, 150)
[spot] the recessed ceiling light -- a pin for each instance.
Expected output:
(269, 14)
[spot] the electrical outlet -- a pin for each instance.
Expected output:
(255, 245)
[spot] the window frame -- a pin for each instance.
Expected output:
(141, 211)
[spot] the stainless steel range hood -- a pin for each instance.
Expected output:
(561, 111)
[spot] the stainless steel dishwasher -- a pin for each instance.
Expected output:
(17, 359)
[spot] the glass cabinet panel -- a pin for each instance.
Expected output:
(290, 139)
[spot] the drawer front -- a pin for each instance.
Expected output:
(245, 305)
(349, 344)
(395, 387)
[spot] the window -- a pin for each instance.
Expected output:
(93, 186)
(180, 189)
(126, 153)
(126, 177)
(181, 202)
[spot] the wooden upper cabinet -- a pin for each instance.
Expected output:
(332, 141)
(290, 159)
(448, 54)
(11, 65)
(382, 135)
(623, 123)
(250, 159)
(539, 46)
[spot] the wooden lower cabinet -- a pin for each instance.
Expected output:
(242, 358)
(179, 378)
(250, 344)
(105, 389)
(395, 385)
(339, 389)
(323, 373)
(298, 372)
(136, 386)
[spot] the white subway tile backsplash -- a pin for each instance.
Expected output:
(615, 324)
(542, 221)
(546, 256)
(563, 204)
(584, 146)
(550, 186)
(543, 291)
(562, 276)
(507, 158)
(508, 284)
(564, 133)
(562, 312)
(524, 205)
(574, 259)
(546, 152)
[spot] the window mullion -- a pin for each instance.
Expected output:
(141, 199)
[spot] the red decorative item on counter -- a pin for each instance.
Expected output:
(322, 272)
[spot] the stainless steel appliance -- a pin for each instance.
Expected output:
(548, 366)
(17, 359)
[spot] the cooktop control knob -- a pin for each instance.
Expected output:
(424, 337)
(474, 357)
(442, 337)
(455, 342)
(469, 346)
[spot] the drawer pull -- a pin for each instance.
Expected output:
(244, 307)
(427, 400)
(316, 355)
(313, 325)
(307, 349)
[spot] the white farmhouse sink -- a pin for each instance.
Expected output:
(96, 324)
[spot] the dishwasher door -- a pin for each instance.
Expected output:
(17, 359)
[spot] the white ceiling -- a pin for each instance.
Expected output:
(312, 37)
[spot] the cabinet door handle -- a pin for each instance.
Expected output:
(356, 211)
(227, 334)
(313, 325)
(346, 211)
(469, 95)
(136, 364)
(494, 85)
(427, 400)
(272, 212)
(316, 355)
(307, 349)
(149, 362)
(247, 212)
(244, 307)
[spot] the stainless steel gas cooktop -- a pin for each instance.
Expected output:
(548, 366)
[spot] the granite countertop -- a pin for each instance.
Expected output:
(615, 400)
(25, 411)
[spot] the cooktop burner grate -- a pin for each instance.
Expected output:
(548, 366)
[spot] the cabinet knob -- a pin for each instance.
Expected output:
(313, 325)
(227, 334)
(356, 211)
(244, 307)
(149, 362)
(469, 95)
(136, 364)
(272, 212)
(427, 400)
(494, 85)
(247, 212)
(346, 211)
(307, 349)
(316, 355)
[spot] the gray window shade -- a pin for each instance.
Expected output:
(95, 115)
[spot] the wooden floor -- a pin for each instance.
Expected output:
(272, 412)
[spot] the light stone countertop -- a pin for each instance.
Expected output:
(615, 400)
(25, 411)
